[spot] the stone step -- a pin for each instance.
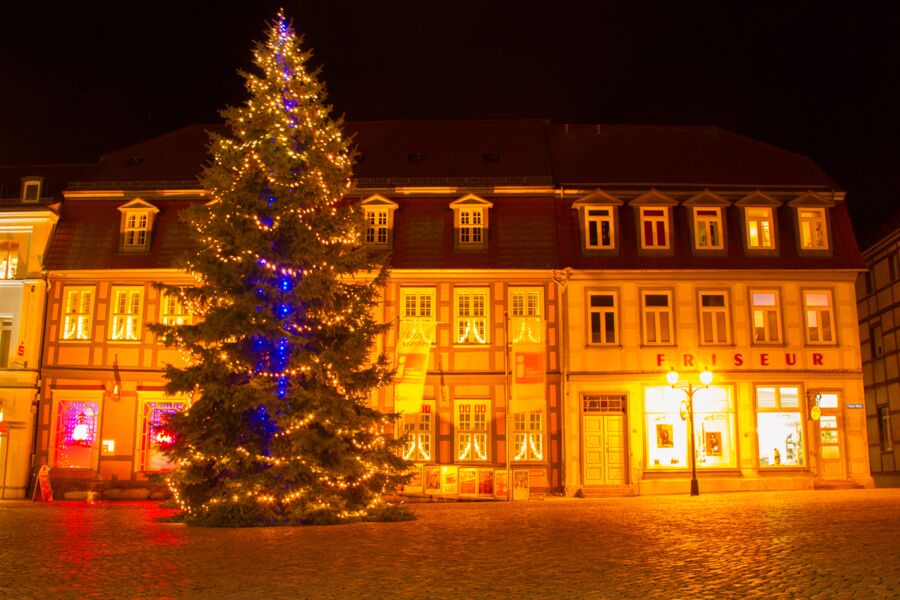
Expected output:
(841, 484)
(606, 491)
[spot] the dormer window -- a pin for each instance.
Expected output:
(379, 217)
(654, 222)
(470, 222)
(760, 231)
(136, 226)
(598, 215)
(707, 222)
(812, 223)
(31, 189)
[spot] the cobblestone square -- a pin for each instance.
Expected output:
(827, 544)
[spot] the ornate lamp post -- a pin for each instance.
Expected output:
(689, 389)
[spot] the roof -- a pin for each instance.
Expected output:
(56, 178)
(888, 229)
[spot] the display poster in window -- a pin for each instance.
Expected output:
(521, 485)
(485, 482)
(664, 435)
(468, 482)
(714, 443)
(528, 360)
(432, 480)
(415, 482)
(413, 352)
(449, 481)
(501, 484)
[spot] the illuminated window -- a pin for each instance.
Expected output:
(654, 227)
(9, 259)
(666, 412)
(174, 312)
(377, 226)
(125, 314)
(472, 430)
(471, 226)
(813, 228)
(471, 315)
(419, 431)
(528, 436)
(766, 316)
(5, 341)
(760, 228)
(603, 317)
(76, 434)
(779, 426)
(417, 303)
(600, 228)
(656, 307)
(819, 317)
(526, 302)
(136, 225)
(884, 421)
(714, 318)
(155, 435)
(708, 228)
(470, 222)
(77, 311)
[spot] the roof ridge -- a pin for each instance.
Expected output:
(159, 137)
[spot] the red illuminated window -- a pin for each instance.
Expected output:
(76, 434)
(655, 227)
(155, 435)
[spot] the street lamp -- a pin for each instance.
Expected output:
(688, 388)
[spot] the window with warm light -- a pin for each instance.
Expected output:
(470, 222)
(75, 434)
(472, 433)
(779, 426)
(526, 302)
(174, 312)
(78, 308)
(471, 322)
(471, 226)
(813, 228)
(6, 326)
(600, 228)
(377, 225)
(819, 317)
(125, 314)
(136, 232)
(714, 318)
(766, 314)
(418, 429)
(654, 227)
(156, 435)
(760, 228)
(656, 308)
(603, 319)
(528, 436)
(9, 259)
(708, 228)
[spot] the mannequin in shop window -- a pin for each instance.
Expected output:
(777, 456)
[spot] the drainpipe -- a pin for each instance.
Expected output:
(561, 279)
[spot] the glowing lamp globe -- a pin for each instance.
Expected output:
(706, 377)
(80, 433)
(672, 377)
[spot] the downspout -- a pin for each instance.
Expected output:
(561, 279)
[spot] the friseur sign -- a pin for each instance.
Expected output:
(750, 360)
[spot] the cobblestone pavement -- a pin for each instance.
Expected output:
(823, 544)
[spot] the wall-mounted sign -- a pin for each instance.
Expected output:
(742, 359)
(856, 405)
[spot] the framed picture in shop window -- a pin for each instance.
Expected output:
(664, 436)
(714, 443)
(415, 482)
(468, 482)
(521, 485)
(501, 484)
(485, 482)
(432, 480)
(449, 481)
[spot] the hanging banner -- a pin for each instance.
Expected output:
(528, 359)
(413, 352)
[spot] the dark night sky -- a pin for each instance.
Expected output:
(81, 79)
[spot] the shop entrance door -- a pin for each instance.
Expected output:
(829, 435)
(604, 440)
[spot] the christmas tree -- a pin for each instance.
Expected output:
(280, 361)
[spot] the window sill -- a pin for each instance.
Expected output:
(471, 346)
(88, 341)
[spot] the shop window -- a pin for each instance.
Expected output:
(471, 315)
(418, 429)
(600, 228)
(125, 314)
(819, 317)
(666, 412)
(654, 227)
(472, 432)
(174, 312)
(156, 436)
(76, 434)
(766, 313)
(779, 426)
(656, 307)
(877, 340)
(708, 228)
(813, 228)
(528, 436)
(9, 259)
(760, 228)
(78, 309)
(714, 318)
(603, 318)
(884, 421)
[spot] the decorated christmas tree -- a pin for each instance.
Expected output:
(280, 361)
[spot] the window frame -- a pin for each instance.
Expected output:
(419, 293)
(643, 308)
(602, 311)
(472, 430)
(458, 292)
(29, 183)
(86, 321)
(527, 291)
(92, 397)
(750, 219)
(135, 318)
(885, 429)
(412, 424)
(472, 206)
(779, 319)
(832, 315)
(713, 311)
(136, 209)
(526, 434)
(663, 219)
(10, 256)
(718, 220)
(146, 447)
(377, 204)
(779, 408)
(167, 318)
(802, 232)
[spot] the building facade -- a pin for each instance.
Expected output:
(545, 278)
(878, 293)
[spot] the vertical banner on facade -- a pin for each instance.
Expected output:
(413, 351)
(528, 360)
